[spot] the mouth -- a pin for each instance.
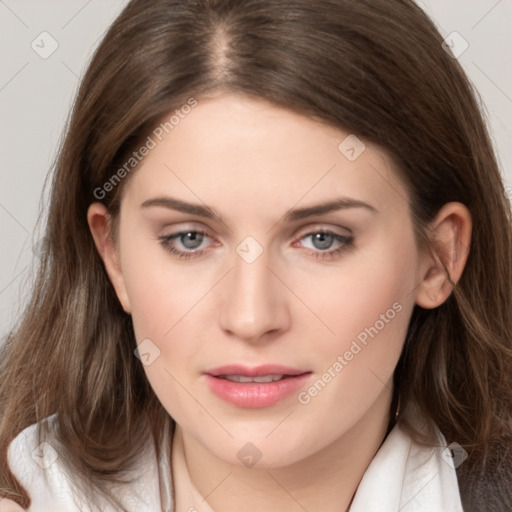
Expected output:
(255, 387)
(245, 378)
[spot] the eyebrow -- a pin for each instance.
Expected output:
(182, 206)
(290, 216)
(342, 203)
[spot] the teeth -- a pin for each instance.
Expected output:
(243, 378)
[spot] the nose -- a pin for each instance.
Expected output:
(254, 306)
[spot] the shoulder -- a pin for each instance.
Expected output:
(34, 461)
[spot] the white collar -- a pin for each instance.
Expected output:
(406, 477)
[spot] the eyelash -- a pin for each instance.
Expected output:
(346, 241)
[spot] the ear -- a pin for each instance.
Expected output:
(99, 221)
(451, 237)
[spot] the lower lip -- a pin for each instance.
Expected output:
(255, 394)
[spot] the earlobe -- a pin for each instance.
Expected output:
(98, 219)
(451, 237)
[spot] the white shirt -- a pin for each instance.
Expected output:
(402, 477)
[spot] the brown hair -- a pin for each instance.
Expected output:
(374, 67)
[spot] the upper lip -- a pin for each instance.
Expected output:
(254, 371)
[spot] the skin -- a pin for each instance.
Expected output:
(252, 162)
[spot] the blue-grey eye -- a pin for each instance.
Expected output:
(191, 239)
(322, 241)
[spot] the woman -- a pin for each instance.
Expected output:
(277, 274)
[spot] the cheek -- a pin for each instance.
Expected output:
(165, 303)
(161, 292)
(370, 288)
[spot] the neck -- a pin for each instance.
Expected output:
(326, 480)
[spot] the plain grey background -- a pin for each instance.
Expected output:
(45, 47)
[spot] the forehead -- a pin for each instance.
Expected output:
(236, 151)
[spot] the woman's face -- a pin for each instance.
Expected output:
(252, 236)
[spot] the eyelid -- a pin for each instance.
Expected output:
(176, 234)
(323, 227)
(337, 236)
(191, 225)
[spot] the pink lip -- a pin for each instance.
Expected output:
(255, 394)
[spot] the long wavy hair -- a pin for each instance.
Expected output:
(374, 67)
